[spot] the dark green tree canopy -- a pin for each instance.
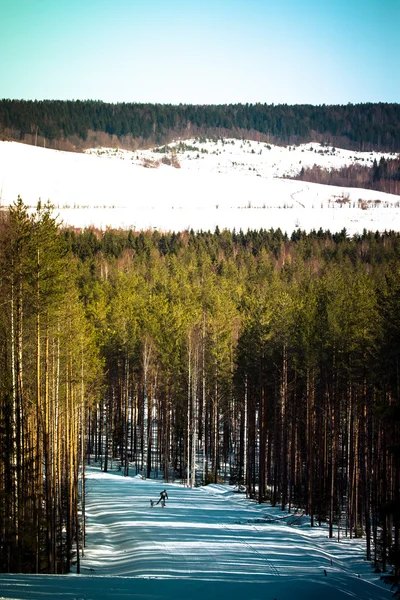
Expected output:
(359, 126)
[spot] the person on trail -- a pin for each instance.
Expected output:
(162, 498)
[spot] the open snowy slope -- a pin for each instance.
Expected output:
(229, 184)
(248, 157)
(207, 542)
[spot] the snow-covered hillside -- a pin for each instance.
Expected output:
(207, 543)
(248, 157)
(235, 184)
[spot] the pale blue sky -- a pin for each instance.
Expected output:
(201, 51)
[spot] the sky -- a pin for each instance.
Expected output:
(201, 51)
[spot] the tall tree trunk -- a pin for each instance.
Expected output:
(245, 436)
(195, 417)
(283, 423)
(189, 411)
(262, 449)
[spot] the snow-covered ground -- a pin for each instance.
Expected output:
(234, 184)
(248, 157)
(207, 543)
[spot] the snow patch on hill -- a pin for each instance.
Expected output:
(245, 156)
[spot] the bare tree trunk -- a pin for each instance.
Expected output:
(146, 357)
(262, 436)
(39, 456)
(194, 418)
(283, 419)
(245, 434)
(166, 433)
(203, 373)
(126, 416)
(215, 433)
(189, 401)
(332, 471)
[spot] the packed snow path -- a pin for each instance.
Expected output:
(206, 543)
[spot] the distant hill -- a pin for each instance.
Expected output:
(77, 125)
(199, 184)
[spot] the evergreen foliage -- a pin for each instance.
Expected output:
(228, 356)
(47, 380)
(383, 176)
(359, 126)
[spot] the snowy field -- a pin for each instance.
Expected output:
(207, 543)
(233, 184)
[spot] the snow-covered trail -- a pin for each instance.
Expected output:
(207, 542)
(196, 535)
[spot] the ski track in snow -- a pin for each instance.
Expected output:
(208, 542)
(235, 184)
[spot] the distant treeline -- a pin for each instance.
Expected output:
(383, 176)
(357, 126)
(112, 244)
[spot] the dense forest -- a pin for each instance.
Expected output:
(383, 176)
(49, 364)
(77, 124)
(254, 358)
